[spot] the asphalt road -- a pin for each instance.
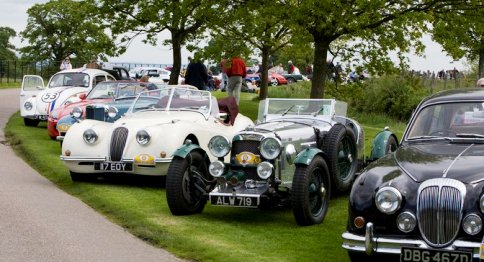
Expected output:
(39, 222)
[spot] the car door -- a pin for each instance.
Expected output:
(31, 86)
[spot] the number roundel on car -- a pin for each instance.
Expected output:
(49, 97)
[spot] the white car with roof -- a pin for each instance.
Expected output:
(64, 87)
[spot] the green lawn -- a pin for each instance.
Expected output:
(218, 234)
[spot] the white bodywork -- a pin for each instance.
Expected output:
(168, 126)
(37, 101)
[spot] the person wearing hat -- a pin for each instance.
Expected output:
(66, 64)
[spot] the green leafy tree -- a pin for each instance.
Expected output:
(185, 20)
(373, 28)
(6, 48)
(461, 32)
(61, 28)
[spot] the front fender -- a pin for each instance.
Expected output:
(184, 150)
(306, 156)
(379, 144)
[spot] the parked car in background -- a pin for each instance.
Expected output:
(119, 72)
(292, 78)
(64, 87)
(145, 139)
(300, 153)
(425, 201)
(123, 92)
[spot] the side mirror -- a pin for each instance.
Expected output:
(82, 96)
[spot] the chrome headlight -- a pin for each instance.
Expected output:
(112, 112)
(216, 169)
(388, 200)
(406, 221)
(264, 170)
(90, 136)
(472, 224)
(76, 112)
(142, 137)
(219, 146)
(270, 148)
(291, 153)
(28, 106)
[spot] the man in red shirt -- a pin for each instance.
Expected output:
(236, 71)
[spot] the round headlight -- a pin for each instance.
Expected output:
(219, 146)
(388, 200)
(264, 170)
(28, 106)
(406, 221)
(472, 224)
(112, 112)
(76, 112)
(216, 168)
(142, 137)
(270, 148)
(90, 136)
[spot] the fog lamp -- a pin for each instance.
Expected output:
(216, 168)
(264, 170)
(406, 222)
(472, 224)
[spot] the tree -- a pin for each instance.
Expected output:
(374, 27)
(6, 48)
(461, 32)
(61, 28)
(186, 21)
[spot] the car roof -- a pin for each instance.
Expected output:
(461, 94)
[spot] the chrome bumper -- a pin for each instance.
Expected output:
(103, 159)
(387, 245)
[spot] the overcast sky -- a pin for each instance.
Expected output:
(13, 13)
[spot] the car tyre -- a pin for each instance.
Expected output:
(290, 80)
(274, 82)
(185, 181)
(79, 177)
(311, 190)
(31, 122)
(392, 145)
(340, 146)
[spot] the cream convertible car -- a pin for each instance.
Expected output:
(145, 139)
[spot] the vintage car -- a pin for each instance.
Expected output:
(301, 151)
(64, 87)
(144, 140)
(121, 92)
(292, 78)
(425, 201)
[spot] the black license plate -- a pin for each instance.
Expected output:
(236, 201)
(433, 255)
(113, 166)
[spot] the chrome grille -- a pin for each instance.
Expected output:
(118, 141)
(439, 210)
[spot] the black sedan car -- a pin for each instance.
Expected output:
(425, 201)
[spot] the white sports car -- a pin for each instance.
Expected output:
(64, 87)
(144, 140)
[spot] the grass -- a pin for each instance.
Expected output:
(218, 234)
(10, 84)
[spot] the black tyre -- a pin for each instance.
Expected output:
(311, 190)
(392, 145)
(274, 82)
(186, 184)
(290, 80)
(79, 177)
(340, 146)
(31, 122)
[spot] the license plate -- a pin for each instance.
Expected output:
(433, 255)
(113, 166)
(236, 201)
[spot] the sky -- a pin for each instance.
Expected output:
(13, 14)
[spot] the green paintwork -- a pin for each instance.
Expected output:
(306, 156)
(379, 144)
(186, 149)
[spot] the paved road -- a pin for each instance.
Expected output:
(39, 222)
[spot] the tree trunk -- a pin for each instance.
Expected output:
(263, 92)
(175, 70)
(320, 70)
(480, 72)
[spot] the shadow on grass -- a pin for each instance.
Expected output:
(129, 180)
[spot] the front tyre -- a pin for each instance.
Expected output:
(31, 122)
(311, 190)
(340, 146)
(185, 184)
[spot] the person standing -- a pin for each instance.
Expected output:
(236, 70)
(196, 74)
(66, 64)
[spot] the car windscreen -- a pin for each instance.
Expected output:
(463, 119)
(115, 90)
(290, 107)
(77, 79)
(174, 99)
